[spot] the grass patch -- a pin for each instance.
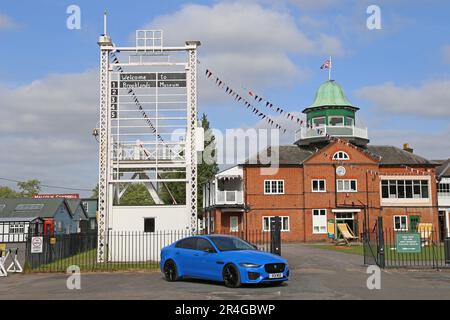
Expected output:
(427, 253)
(87, 261)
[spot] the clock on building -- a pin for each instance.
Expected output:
(340, 171)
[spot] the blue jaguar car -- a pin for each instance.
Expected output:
(221, 258)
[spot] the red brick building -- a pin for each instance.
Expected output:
(329, 176)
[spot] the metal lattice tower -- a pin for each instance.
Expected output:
(148, 125)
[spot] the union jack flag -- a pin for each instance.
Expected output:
(326, 64)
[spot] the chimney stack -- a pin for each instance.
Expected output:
(407, 148)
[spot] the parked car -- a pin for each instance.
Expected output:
(221, 258)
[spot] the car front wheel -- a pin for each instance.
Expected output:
(231, 276)
(170, 271)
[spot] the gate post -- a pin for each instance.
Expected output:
(380, 236)
(275, 235)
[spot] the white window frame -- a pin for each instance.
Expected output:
(320, 125)
(319, 223)
(17, 228)
(92, 224)
(349, 185)
(443, 189)
(406, 222)
(345, 156)
(352, 121)
(395, 196)
(318, 181)
(277, 187)
(85, 206)
(264, 218)
(341, 125)
(237, 224)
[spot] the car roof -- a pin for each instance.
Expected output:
(219, 235)
(208, 236)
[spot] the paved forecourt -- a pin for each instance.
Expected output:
(315, 274)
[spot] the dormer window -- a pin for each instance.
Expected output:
(341, 155)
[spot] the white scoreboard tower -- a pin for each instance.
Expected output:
(147, 132)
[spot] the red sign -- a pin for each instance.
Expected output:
(51, 196)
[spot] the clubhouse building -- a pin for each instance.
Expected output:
(329, 176)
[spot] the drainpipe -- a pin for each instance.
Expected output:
(304, 205)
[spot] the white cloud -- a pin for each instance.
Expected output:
(245, 41)
(45, 130)
(430, 99)
(419, 141)
(6, 22)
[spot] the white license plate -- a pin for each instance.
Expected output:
(275, 275)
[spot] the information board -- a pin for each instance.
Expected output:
(408, 242)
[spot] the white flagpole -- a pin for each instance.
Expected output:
(329, 70)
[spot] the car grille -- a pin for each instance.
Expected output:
(253, 275)
(274, 267)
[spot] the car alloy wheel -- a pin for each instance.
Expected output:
(170, 271)
(231, 276)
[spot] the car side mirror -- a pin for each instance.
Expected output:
(255, 246)
(210, 250)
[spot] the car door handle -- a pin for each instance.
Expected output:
(177, 252)
(196, 254)
(220, 262)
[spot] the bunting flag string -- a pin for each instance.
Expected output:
(237, 97)
(301, 123)
(290, 116)
(136, 101)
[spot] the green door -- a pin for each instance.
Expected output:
(413, 222)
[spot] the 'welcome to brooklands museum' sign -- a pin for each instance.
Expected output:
(408, 242)
(152, 80)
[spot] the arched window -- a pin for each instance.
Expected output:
(341, 155)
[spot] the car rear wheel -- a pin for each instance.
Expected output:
(231, 276)
(170, 271)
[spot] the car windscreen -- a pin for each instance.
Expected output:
(231, 244)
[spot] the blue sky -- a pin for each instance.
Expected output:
(398, 76)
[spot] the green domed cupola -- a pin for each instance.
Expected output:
(333, 113)
(330, 107)
(330, 94)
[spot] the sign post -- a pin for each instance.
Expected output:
(37, 244)
(408, 242)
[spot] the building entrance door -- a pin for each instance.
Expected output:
(413, 222)
(345, 217)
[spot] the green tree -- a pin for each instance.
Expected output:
(29, 188)
(170, 191)
(95, 192)
(207, 167)
(136, 194)
(7, 192)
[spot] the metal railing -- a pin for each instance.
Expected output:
(427, 250)
(125, 250)
(407, 249)
(229, 197)
(341, 131)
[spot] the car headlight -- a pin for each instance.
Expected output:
(249, 265)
